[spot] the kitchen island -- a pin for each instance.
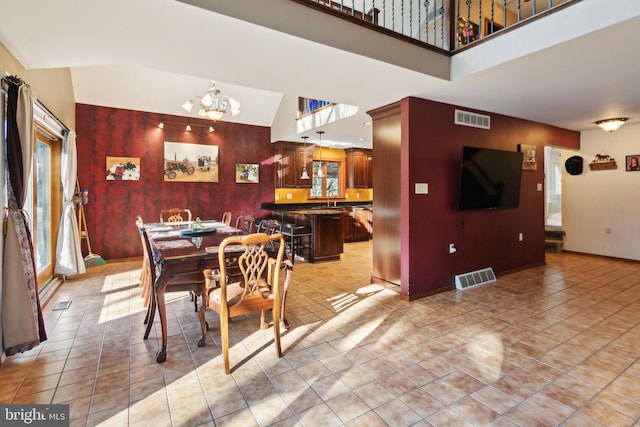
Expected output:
(326, 224)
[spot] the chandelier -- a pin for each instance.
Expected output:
(213, 105)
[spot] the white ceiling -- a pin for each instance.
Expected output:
(152, 55)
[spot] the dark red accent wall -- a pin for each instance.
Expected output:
(114, 205)
(431, 147)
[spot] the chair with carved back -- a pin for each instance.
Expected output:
(271, 226)
(257, 290)
(245, 223)
(226, 218)
(175, 215)
(191, 282)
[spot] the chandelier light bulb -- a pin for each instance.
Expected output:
(213, 105)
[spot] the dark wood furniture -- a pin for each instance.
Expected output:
(175, 254)
(324, 224)
(357, 223)
(290, 160)
(387, 239)
(359, 164)
(192, 281)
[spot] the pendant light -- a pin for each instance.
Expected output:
(320, 173)
(305, 174)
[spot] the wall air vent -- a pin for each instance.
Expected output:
(475, 278)
(466, 118)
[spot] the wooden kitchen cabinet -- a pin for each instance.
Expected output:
(290, 161)
(357, 224)
(359, 163)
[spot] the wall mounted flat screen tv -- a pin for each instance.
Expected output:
(489, 179)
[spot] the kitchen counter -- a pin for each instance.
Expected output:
(326, 223)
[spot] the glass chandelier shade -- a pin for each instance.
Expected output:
(213, 105)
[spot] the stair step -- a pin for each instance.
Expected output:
(553, 245)
(554, 233)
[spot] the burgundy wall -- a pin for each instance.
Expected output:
(483, 238)
(113, 205)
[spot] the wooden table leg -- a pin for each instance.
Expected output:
(201, 314)
(160, 286)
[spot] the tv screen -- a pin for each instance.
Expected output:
(489, 179)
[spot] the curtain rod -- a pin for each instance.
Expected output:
(45, 112)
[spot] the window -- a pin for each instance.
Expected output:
(553, 184)
(328, 184)
(43, 202)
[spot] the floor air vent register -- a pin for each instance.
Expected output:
(475, 278)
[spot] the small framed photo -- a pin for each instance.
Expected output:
(529, 161)
(632, 163)
(247, 173)
(123, 168)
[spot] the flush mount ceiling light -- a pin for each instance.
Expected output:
(213, 105)
(611, 124)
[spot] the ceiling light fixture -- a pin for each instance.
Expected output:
(611, 124)
(320, 173)
(213, 105)
(305, 174)
(189, 126)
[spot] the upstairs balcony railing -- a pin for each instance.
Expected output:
(448, 25)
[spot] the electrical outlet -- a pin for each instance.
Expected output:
(289, 196)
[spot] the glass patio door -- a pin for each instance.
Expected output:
(43, 203)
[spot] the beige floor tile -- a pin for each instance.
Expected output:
(556, 344)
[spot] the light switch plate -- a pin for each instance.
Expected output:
(422, 188)
(539, 187)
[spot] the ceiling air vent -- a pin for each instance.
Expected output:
(466, 118)
(475, 278)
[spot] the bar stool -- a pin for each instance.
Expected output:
(298, 239)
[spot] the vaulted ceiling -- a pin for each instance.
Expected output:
(569, 69)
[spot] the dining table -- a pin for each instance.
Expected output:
(185, 247)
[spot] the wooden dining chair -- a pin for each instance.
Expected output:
(245, 223)
(226, 218)
(175, 215)
(257, 290)
(191, 282)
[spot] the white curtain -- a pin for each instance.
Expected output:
(69, 260)
(3, 202)
(22, 321)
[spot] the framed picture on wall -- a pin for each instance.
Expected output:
(491, 27)
(632, 163)
(467, 31)
(247, 173)
(123, 168)
(185, 162)
(529, 161)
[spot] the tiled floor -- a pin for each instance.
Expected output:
(554, 345)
